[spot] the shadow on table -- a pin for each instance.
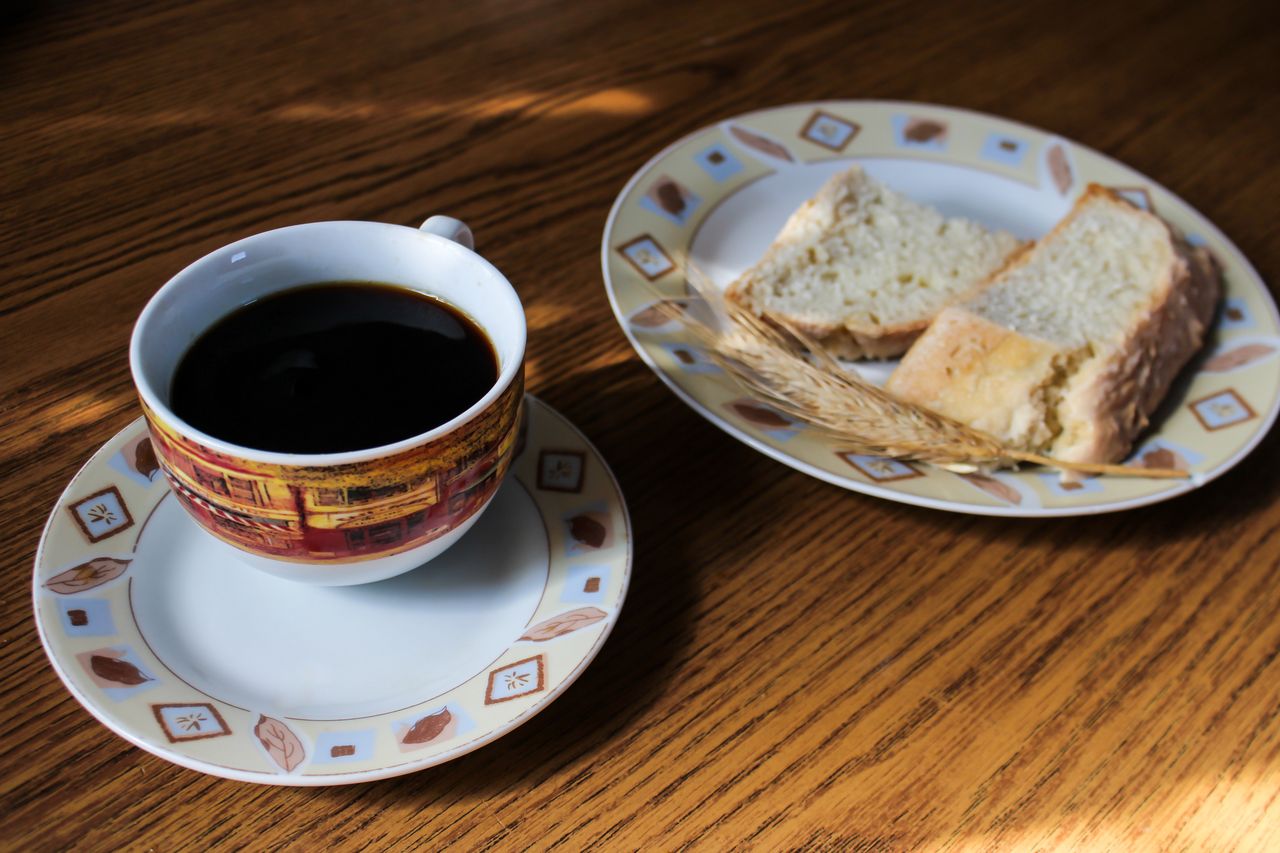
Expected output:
(641, 428)
(1232, 500)
(651, 639)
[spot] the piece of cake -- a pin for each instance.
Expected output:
(863, 270)
(1072, 346)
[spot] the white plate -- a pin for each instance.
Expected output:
(174, 644)
(720, 195)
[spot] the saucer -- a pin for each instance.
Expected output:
(179, 647)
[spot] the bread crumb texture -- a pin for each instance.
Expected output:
(865, 269)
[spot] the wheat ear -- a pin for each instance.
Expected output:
(768, 359)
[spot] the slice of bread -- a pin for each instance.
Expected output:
(1073, 345)
(863, 270)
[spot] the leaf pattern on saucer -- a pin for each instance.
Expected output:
(668, 196)
(144, 459)
(1059, 168)
(1238, 357)
(760, 415)
(429, 728)
(658, 314)
(281, 744)
(96, 572)
(760, 143)
(994, 487)
(924, 130)
(588, 530)
(565, 623)
(1163, 457)
(117, 670)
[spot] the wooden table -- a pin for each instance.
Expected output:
(796, 665)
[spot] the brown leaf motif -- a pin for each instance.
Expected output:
(588, 531)
(1059, 168)
(116, 670)
(994, 487)
(668, 196)
(760, 415)
(565, 623)
(1163, 457)
(1238, 357)
(144, 459)
(281, 744)
(428, 728)
(657, 314)
(924, 130)
(96, 572)
(760, 143)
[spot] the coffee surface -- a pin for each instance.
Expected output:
(332, 367)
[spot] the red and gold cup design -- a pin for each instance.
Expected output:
(349, 517)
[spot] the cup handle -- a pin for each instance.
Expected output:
(450, 229)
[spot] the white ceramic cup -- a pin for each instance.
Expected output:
(336, 518)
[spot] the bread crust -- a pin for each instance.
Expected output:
(1107, 405)
(982, 374)
(1038, 396)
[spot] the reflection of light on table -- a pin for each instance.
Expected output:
(618, 102)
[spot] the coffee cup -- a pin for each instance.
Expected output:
(354, 516)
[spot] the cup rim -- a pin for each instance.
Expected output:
(273, 457)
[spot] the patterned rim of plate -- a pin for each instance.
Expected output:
(82, 590)
(1221, 412)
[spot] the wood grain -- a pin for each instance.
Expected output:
(796, 666)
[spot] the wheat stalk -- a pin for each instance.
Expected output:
(768, 360)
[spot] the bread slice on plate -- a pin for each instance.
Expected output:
(1073, 345)
(863, 270)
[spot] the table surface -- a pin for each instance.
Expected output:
(796, 665)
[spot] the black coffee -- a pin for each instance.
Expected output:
(330, 367)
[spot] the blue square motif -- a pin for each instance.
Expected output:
(1179, 455)
(1224, 409)
(1235, 314)
(193, 721)
(691, 359)
(86, 617)
(585, 584)
(1004, 149)
(717, 162)
(829, 131)
(647, 256)
(514, 680)
(342, 747)
(102, 514)
(1053, 480)
(1137, 196)
(880, 469)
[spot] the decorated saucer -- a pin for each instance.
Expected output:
(165, 636)
(719, 196)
